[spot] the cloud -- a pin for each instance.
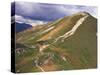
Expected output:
(50, 12)
(21, 19)
(27, 7)
(71, 9)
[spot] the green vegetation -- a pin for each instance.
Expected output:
(78, 51)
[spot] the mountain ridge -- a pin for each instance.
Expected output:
(67, 43)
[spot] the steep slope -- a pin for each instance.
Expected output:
(67, 43)
(83, 43)
(80, 41)
(38, 31)
(28, 33)
(65, 25)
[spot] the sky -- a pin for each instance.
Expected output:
(40, 13)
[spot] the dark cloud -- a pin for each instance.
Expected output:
(49, 12)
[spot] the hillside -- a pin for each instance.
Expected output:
(67, 43)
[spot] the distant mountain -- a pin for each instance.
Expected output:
(21, 26)
(69, 42)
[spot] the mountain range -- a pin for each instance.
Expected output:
(21, 26)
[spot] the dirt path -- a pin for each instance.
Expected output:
(73, 30)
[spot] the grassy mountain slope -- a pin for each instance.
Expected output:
(77, 51)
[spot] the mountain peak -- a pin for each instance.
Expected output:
(82, 13)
